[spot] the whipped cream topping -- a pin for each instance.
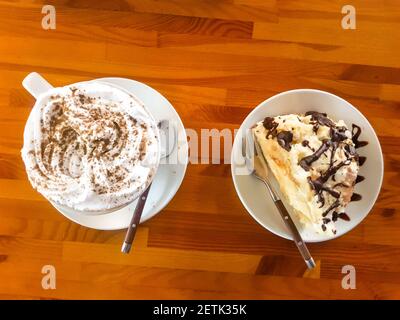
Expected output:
(90, 146)
(315, 163)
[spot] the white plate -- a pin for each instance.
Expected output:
(169, 175)
(252, 192)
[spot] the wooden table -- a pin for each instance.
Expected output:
(214, 60)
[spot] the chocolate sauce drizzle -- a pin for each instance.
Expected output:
(337, 136)
(359, 179)
(361, 160)
(331, 207)
(320, 118)
(341, 215)
(344, 216)
(356, 197)
(356, 131)
(306, 143)
(284, 138)
(306, 162)
(317, 119)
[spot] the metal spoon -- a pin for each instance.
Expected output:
(169, 145)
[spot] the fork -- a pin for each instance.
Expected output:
(258, 166)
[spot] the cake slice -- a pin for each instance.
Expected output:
(314, 160)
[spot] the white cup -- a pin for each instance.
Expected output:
(36, 85)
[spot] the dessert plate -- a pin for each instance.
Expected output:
(169, 174)
(252, 192)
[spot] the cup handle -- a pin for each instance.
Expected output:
(35, 84)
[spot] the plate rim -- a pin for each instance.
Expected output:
(235, 146)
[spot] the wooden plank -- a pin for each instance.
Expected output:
(214, 61)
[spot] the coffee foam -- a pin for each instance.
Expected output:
(90, 146)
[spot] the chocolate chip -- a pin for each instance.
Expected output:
(284, 139)
(269, 123)
(326, 220)
(344, 216)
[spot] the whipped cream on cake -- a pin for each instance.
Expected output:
(315, 162)
(90, 146)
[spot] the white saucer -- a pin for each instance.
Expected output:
(253, 193)
(169, 176)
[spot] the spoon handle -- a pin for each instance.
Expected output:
(130, 234)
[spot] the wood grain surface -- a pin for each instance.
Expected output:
(214, 60)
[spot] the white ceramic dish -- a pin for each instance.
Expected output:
(252, 192)
(170, 172)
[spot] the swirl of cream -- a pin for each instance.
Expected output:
(90, 146)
